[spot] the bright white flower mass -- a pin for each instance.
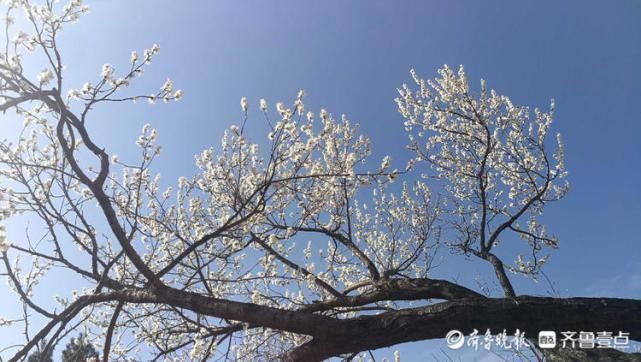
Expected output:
(45, 77)
(488, 154)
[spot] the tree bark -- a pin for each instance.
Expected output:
(528, 314)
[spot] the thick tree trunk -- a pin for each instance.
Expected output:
(528, 314)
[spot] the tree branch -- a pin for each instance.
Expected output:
(528, 314)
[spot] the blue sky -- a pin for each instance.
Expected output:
(351, 56)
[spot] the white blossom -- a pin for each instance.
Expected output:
(107, 71)
(387, 160)
(168, 86)
(134, 57)
(4, 243)
(87, 88)
(45, 76)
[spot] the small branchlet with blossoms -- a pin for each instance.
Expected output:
(491, 159)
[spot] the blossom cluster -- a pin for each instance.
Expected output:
(491, 158)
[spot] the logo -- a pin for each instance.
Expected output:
(455, 339)
(547, 339)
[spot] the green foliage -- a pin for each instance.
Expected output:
(41, 354)
(79, 350)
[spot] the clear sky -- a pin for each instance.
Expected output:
(350, 56)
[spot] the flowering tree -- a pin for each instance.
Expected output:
(268, 250)
(493, 163)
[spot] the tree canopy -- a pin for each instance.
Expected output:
(41, 353)
(297, 246)
(79, 350)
